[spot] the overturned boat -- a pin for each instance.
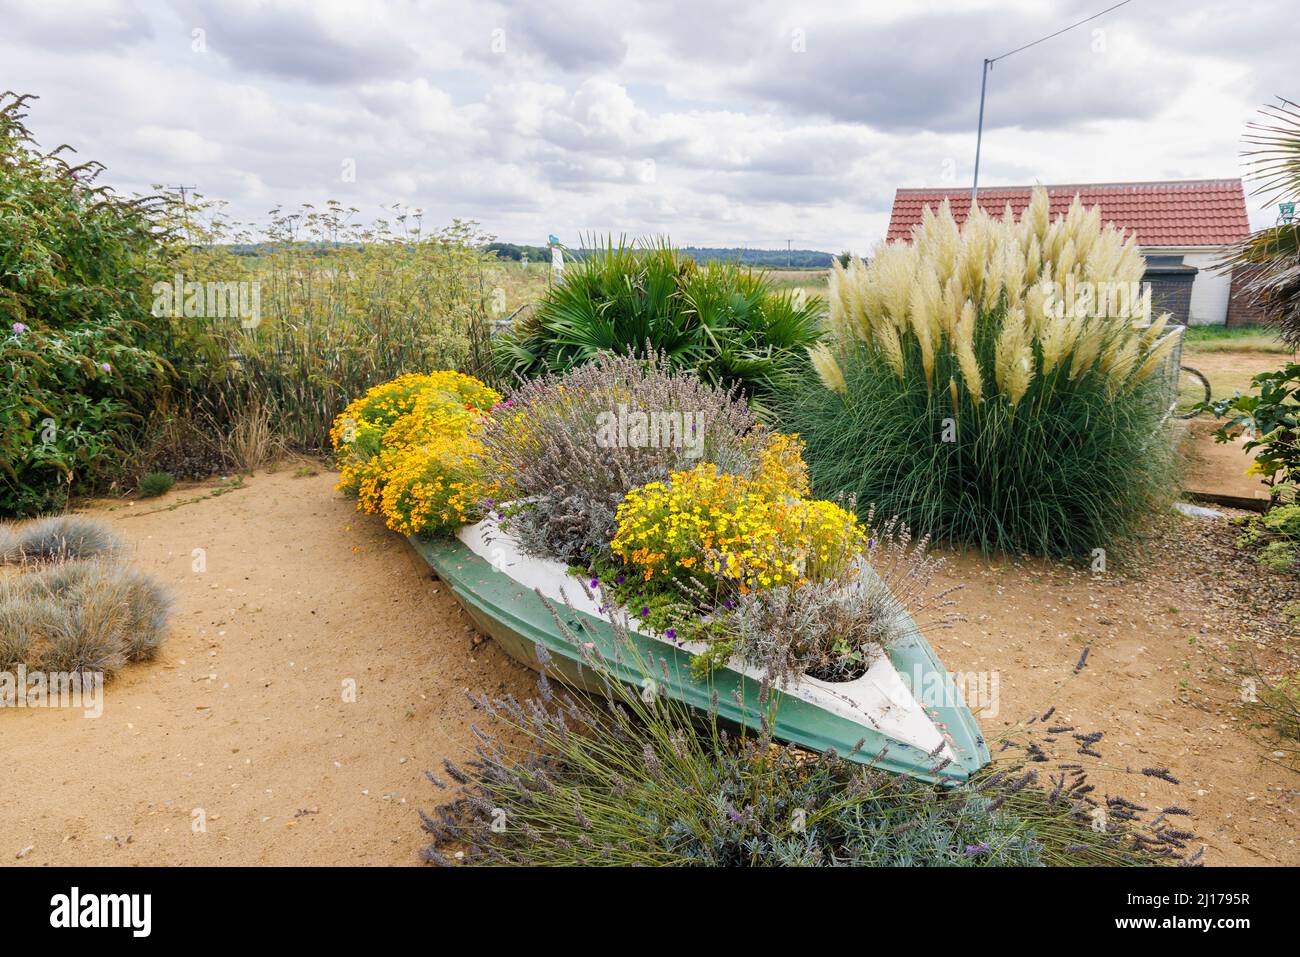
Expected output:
(904, 714)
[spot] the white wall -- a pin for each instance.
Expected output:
(1210, 289)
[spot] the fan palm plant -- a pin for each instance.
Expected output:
(720, 320)
(1271, 256)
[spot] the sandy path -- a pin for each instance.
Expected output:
(243, 715)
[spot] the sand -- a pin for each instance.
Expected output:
(242, 719)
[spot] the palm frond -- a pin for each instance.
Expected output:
(1270, 258)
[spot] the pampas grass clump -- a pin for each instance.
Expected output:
(996, 384)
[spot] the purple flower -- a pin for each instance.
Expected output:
(728, 604)
(645, 611)
(19, 328)
(977, 850)
(106, 367)
(619, 580)
(670, 634)
(595, 582)
(734, 816)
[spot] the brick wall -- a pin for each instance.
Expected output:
(1171, 294)
(1241, 311)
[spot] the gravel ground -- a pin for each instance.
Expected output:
(1168, 629)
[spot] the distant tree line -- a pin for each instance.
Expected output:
(770, 258)
(516, 252)
(766, 258)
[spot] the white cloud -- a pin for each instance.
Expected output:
(701, 118)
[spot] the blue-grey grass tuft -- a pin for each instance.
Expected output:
(62, 539)
(81, 616)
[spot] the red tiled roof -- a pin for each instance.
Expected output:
(1197, 212)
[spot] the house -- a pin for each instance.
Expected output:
(1183, 228)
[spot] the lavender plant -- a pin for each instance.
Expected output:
(642, 780)
(568, 448)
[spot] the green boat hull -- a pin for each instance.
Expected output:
(519, 620)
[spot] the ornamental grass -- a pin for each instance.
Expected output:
(999, 384)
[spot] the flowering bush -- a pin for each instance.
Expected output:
(68, 407)
(754, 531)
(408, 448)
(568, 448)
(80, 362)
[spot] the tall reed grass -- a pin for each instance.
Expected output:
(343, 307)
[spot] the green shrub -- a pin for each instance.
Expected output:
(1281, 700)
(965, 395)
(1276, 537)
(721, 320)
(70, 404)
(79, 367)
(153, 484)
(640, 781)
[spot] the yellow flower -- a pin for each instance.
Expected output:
(406, 450)
(754, 531)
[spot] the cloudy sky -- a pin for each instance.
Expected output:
(715, 121)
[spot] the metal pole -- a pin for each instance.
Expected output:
(979, 136)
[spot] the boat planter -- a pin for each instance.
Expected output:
(499, 588)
